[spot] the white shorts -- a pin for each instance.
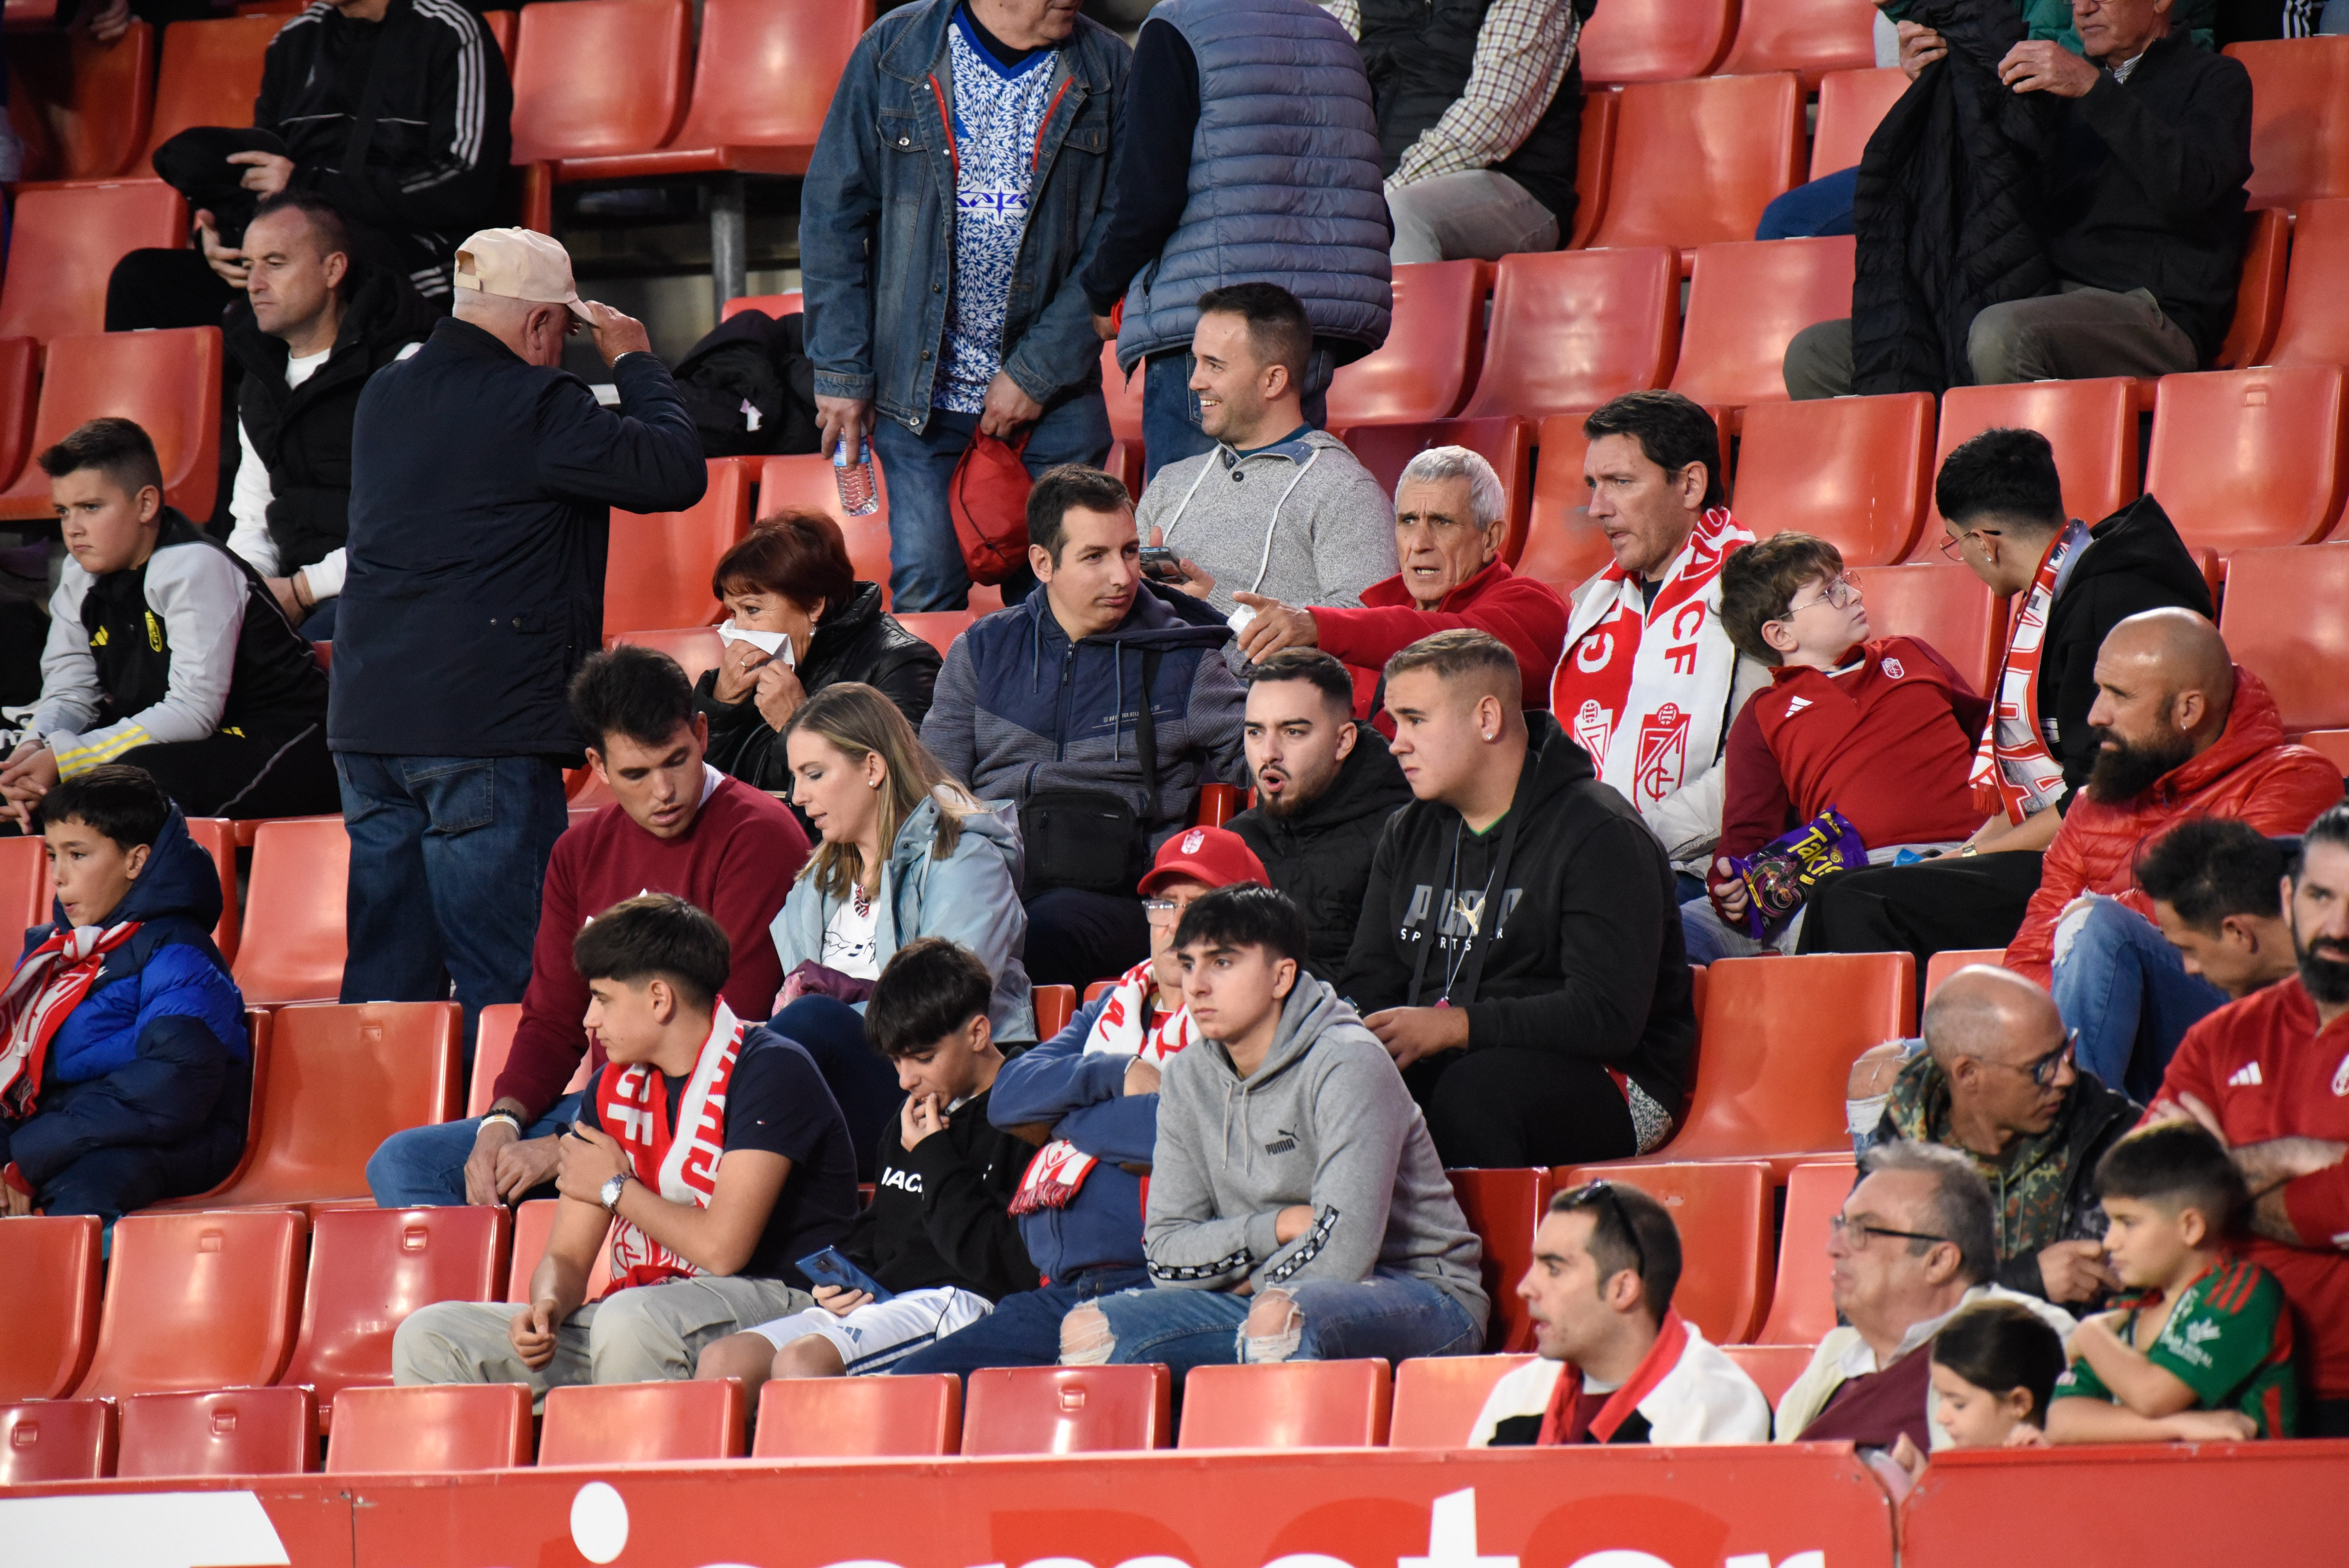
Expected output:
(881, 1333)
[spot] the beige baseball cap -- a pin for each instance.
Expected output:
(519, 263)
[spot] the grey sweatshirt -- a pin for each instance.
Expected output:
(1326, 1121)
(1301, 521)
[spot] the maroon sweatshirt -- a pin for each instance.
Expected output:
(737, 860)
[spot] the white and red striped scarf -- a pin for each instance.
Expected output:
(2014, 770)
(1127, 1026)
(679, 1163)
(49, 984)
(1671, 659)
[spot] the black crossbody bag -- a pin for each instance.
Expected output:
(1090, 839)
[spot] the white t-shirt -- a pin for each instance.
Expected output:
(851, 938)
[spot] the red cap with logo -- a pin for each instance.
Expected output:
(1216, 856)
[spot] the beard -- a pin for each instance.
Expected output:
(2323, 967)
(2123, 772)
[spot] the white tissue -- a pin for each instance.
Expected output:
(776, 644)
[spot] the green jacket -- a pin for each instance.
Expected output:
(2053, 18)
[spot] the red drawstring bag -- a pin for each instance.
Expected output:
(989, 498)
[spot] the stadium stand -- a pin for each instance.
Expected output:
(1656, 40)
(1055, 1005)
(694, 649)
(2243, 459)
(1851, 104)
(1287, 1405)
(1802, 1310)
(2286, 619)
(2092, 425)
(210, 74)
(2258, 299)
(1506, 441)
(48, 1298)
(806, 482)
(198, 1301)
(2300, 118)
(1592, 157)
(1747, 300)
(1572, 329)
(295, 892)
(219, 1431)
(1066, 1409)
(534, 1222)
(20, 394)
(431, 1429)
(1772, 1367)
(658, 575)
(1852, 471)
(1948, 961)
(1696, 162)
(637, 1423)
(62, 245)
(911, 1416)
(1431, 354)
(216, 836)
(81, 108)
(1944, 603)
(1438, 1397)
(776, 305)
(938, 628)
(1813, 37)
(2313, 327)
(568, 101)
(1723, 1211)
(1504, 1208)
(168, 381)
(57, 1439)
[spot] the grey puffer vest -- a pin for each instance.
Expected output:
(1285, 185)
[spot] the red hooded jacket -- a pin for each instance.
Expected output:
(1527, 614)
(2252, 773)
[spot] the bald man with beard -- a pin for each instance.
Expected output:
(2182, 731)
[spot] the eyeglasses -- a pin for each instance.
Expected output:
(1856, 1235)
(2042, 1069)
(1840, 595)
(1954, 546)
(1161, 911)
(1592, 1191)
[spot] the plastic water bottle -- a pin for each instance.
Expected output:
(860, 493)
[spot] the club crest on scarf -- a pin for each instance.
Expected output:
(679, 1163)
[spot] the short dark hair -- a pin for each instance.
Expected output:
(2001, 473)
(118, 447)
(1277, 325)
(326, 225)
(1962, 1212)
(1628, 1229)
(801, 556)
(2176, 1165)
(2000, 1346)
(930, 989)
(1460, 651)
(1758, 584)
(2330, 827)
(1245, 915)
(1064, 489)
(122, 802)
(1672, 433)
(639, 693)
(2208, 868)
(656, 935)
(1312, 666)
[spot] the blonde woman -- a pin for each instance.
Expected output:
(905, 852)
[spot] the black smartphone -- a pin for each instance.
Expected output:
(831, 1267)
(1161, 564)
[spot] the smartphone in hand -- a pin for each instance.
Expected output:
(831, 1267)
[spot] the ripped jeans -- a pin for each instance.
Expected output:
(1391, 1316)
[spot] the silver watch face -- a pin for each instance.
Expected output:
(613, 1187)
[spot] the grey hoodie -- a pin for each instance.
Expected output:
(1326, 1121)
(1301, 521)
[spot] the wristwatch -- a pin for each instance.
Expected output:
(611, 1192)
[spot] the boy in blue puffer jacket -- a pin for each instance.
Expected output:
(126, 1075)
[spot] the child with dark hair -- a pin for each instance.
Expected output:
(2203, 1351)
(125, 1076)
(1994, 1370)
(938, 1237)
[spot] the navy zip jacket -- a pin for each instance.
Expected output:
(150, 1079)
(481, 497)
(1082, 1098)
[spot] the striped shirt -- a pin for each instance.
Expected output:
(1523, 50)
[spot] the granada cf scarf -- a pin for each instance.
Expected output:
(1126, 1026)
(49, 984)
(2012, 770)
(1645, 688)
(679, 1163)
(1559, 1422)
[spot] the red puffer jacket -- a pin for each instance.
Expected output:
(2252, 773)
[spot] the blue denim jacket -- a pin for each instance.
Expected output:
(876, 241)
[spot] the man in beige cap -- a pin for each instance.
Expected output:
(482, 480)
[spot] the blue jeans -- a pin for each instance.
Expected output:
(863, 1084)
(424, 1167)
(1821, 206)
(2127, 993)
(925, 569)
(1170, 409)
(1024, 1330)
(1389, 1316)
(447, 859)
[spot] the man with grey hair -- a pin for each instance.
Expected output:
(1451, 524)
(1915, 1241)
(482, 480)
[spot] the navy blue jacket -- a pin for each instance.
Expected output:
(156, 1054)
(482, 490)
(1080, 1098)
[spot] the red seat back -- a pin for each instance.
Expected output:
(533, 1223)
(1944, 604)
(806, 482)
(1123, 394)
(2286, 620)
(1802, 1306)
(1563, 547)
(1055, 1005)
(599, 76)
(1696, 162)
(2314, 324)
(296, 893)
(431, 1429)
(1505, 1209)
(1772, 1367)
(912, 1417)
(1286, 1405)
(370, 1268)
(1851, 470)
(2092, 425)
(493, 1036)
(1746, 302)
(659, 572)
(765, 75)
(198, 1300)
(1594, 156)
(1851, 105)
(694, 649)
(1430, 357)
(170, 382)
(25, 888)
(20, 400)
(2300, 118)
(49, 1299)
(1655, 40)
(1574, 328)
(779, 305)
(2259, 295)
(2243, 459)
(62, 245)
(81, 107)
(1066, 1409)
(1950, 960)
(219, 1431)
(209, 75)
(939, 628)
(1813, 37)
(1721, 1209)
(216, 836)
(57, 1439)
(1437, 1399)
(635, 1423)
(1505, 441)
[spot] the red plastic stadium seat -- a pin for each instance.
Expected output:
(493, 1036)
(20, 398)
(777, 305)
(1772, 1367)
(694, 649)
(1563, 547)
(57, 1439)
(1437, 1399)
(1746, 300)
(81, 107)
(296, 894)
(1779, 1038)
(168, 381)
(634, 1423)
(2259, 297)
(533, 1223)
(1099, 989)
(1287, 1405)
(26, 890)
(761, 85)
(938, 628)
(1851, 105)
(503, 26)
(1944, 604)
(1574, 328)
(431, 1429)
(1802, 1309)
(1950, 960)
(1066, 1409)
(1655, 40)
(1593, 156)
(1123, 394)
(2243, 459)
(1850, 469)
(1126, 460)
(1219, 803)
(659, 572)
(338, 1081)
(1505, 1209)
(219, 1431)
(63, 246)
(370, 1268)
(2300, 118)
(2313, 328)
(2286, 620)
(1055, 1005)
(2092, 425)
(49, 1299)
(1507, 443)
(1813, 37)
(1723, 1211)
(198, 1301)
(209, 75)
(1429, 359)
(216, 836)
(859, 1418)
(598, 78)
(806, 481)
(1696, 162)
